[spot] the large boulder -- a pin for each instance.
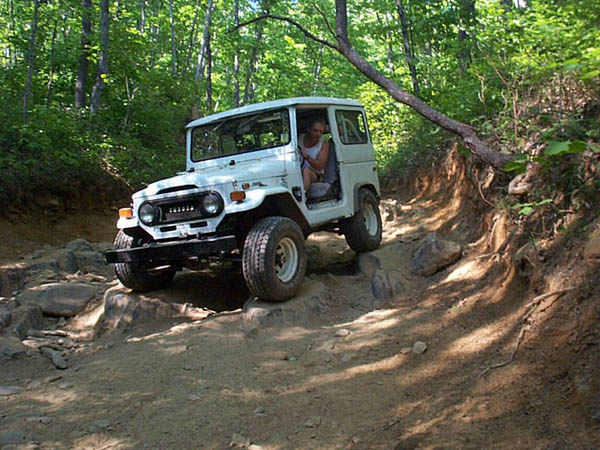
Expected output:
(433, 254)
(93, 262)
(367, 263)
(124, 309)
(78, 255)
(42, 264)
(12, 278)
(66, 260)
(79, 245)
(385, 287)
(59, 299)
(11, 347)
(25, 318)
(5, 317)
(311, 300)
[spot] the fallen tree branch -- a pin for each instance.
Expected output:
(343, 45)
(304, 31)
(532, 307)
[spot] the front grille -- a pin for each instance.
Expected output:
(181, 208)
(181, 211)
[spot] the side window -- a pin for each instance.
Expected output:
(351, 126)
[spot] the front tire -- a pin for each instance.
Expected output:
(363, 230)
(137, 276)
(274, 259)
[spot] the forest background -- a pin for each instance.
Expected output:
(96, 92)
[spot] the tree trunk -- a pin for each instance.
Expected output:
(12, 15)
(84, 54)
(31, 61)
(249, 87)
(192, 38)
(407, 48)
(51, 74)
(466, 33)
(205, 39)
(11, 54)
(103, 61)
(173, 46)
(508, 4)
(155, 33)
(317, 72)
(390, 50)
(208, 74)
(142, 25)
(236, 56)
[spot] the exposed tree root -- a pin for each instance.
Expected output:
(479, 183)
(532, 307)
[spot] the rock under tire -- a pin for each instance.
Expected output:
(363, 230)
(274, 259)
(134, 275)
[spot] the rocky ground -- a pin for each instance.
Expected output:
(463, 339)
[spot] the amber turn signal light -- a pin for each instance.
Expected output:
(126, 213)
(237, 196)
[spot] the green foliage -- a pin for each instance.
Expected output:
(403, 140)
(554, 150)
(527, 208)
(557, 148)
(520, 75)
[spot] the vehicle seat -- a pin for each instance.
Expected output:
(228, 145)
(328, 187)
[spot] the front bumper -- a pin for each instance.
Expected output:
(172, 251)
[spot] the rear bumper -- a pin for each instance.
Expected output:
(172, 251)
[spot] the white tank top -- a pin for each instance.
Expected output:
(313, 151)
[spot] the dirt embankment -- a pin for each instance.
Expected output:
(507, 356)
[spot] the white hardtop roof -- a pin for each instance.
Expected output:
(309, 101)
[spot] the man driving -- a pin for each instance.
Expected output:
(315, 152)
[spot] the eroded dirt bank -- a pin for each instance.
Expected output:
(348, 377)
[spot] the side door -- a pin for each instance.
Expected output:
(357, 157)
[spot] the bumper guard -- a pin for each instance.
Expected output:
(172, 251)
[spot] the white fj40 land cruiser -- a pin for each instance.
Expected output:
(242, 198)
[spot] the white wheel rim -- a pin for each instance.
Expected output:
(370, 218)
(286, 259)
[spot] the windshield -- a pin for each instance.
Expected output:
(258, 131)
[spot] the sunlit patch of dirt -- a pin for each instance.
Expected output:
(349, 378)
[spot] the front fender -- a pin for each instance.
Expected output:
(356, 196)
(127, 222)
(254, 198)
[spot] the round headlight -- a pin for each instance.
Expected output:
(212, 204)
(148, 214)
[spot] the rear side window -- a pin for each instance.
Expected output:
(351, 126)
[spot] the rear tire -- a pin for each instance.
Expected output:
(138, 276)
(363, 230)
(274, 259)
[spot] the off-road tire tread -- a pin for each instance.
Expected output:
(257, 261)
(138, 278)
(354, 228)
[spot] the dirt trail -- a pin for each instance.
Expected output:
(345, 379)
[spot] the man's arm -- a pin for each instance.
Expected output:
(320, 161)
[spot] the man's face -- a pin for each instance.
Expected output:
(316, 131)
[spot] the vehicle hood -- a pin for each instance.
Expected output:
(216, 178)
